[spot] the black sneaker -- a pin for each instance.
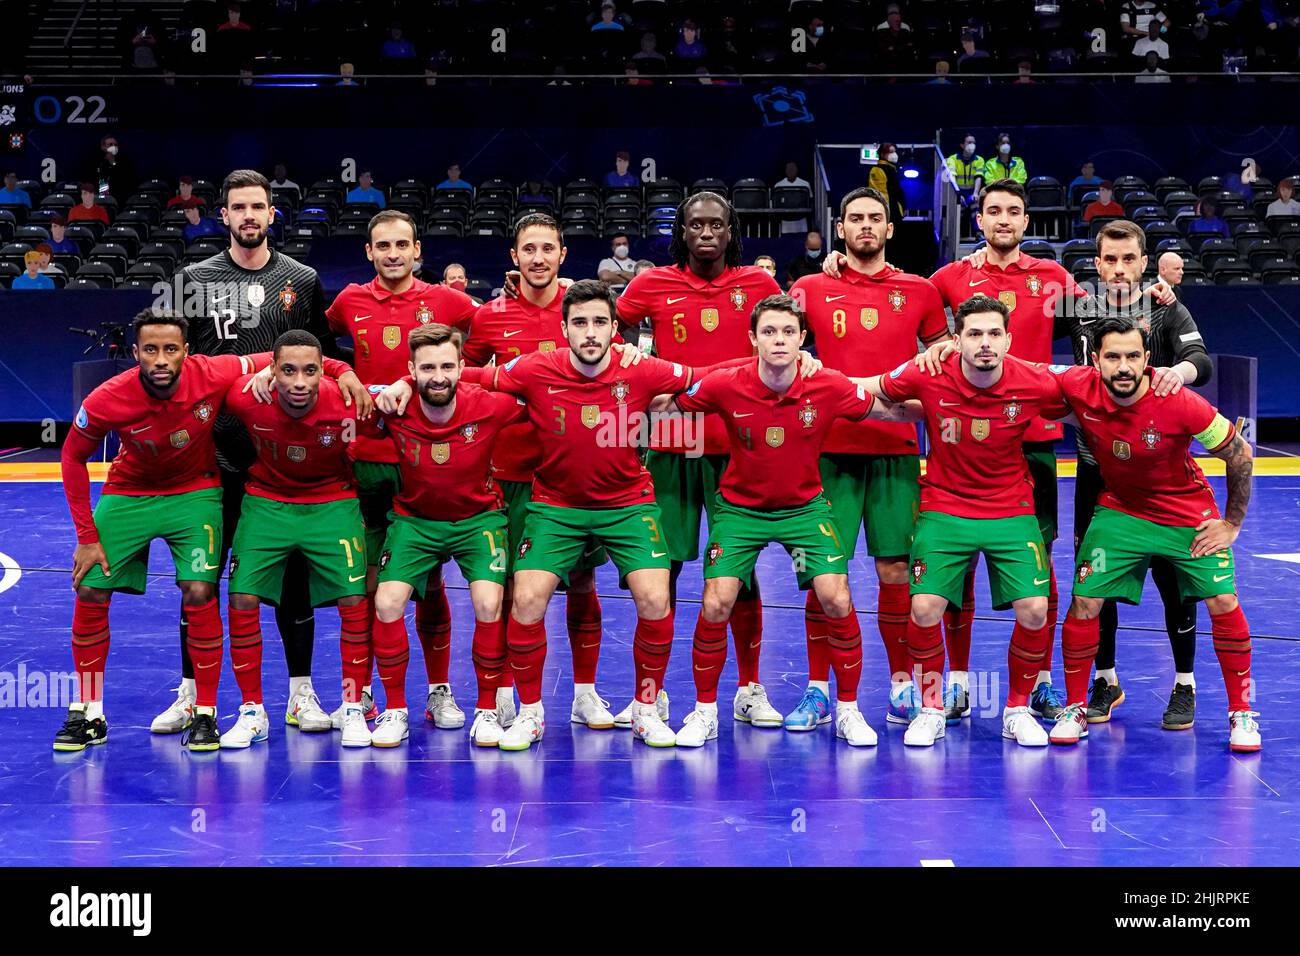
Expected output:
(78, 733)
(956, 704)
(1103, 699)
(1046, 702)
(1181, 712)
(203, 734)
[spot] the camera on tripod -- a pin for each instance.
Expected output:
(110, 336)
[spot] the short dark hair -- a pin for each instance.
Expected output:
(863, 192)
(294, 338)
(1116, 325)
(980, 303)
(1004, 186)
(434, 334)
(161, 317)
(1122, 229)
(241, 179)
(589, 290)
(537, 219)
(390, 215)
(778, 303)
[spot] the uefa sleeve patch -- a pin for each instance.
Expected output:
(677, 370)
(511, 364)
(376, 389)
(82, 418)
(862, 393)
(900, 370)
(1059, 369)
(694, 388)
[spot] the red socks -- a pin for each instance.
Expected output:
(747, 634)
(1079, 640)
(490, 664)
(204, 642)
(246, 652)
(957, 626)
(846, 655)
(1025, 658)
(90, 647)
(894, 610)
(433, 626)
(817, 630)
(507, 678)
(708, 654)
(527, 647)
(925, 646)
(650, 649)
(392, 654)
(354, 649)
(582, 611)
(1232, 647)
(1052, 600)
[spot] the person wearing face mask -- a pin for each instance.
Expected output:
(1004, 164)
(810, 262)
(455, 277)
(619, 268)
(967, 167)
(114, 170)
(884, 179)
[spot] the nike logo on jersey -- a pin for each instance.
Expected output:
(948, 404)
(553, 391)
(506, 335)
(834, 298)
(981, 282)
(672, 301)
(1091, 418)
(359, 318)
(742, 414)
(143, 428)
(211, 567)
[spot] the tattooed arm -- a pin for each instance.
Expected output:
(1219, 534)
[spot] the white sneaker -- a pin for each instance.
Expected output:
(623, 720)
(1071, 726)
(752, 706)
(699, 726)
(176, 717)
(367, 708)
(525, 731)
(252, 727)
(306, 713)
(647, 725)
(392, 727)
(1020, 725)
(441, 710)
(925, 728)
(355, 731)
(486, 731)
(851, 726)
(506, 711)
(1245, 731)
(589, 709)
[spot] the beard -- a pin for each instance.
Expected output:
(581, 357)
(1121, 387)
(248, 242)
(866, 248)
(438, 399)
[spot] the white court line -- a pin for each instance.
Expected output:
(11, 572)
(938, 863)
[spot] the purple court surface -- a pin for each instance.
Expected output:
(1131, 794)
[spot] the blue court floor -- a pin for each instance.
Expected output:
(1132, 794)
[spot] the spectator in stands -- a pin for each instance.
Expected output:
(365, 191)
(649, 58)
(1087, 177)
(234, 20)
(59, 243)
(620, 178)
(32, 278)
(767, 264)
(643, 265)
(48, 267)
(1208, 221)
(198, 225)
(894, 44)
(969, 61)
(455, 277)
(1004, 164)
(1170, 267)
(1284, 204)
(617, 269)
(608, 18)
(967, 166)
(1026, 74)
(533, 195)
(396, 48)
(941, 70)
(690, 48)
(184, 192)
(114, 170)
(634, 77)
(1137, 15)
(233, 44)
(1151, 72)
(282, 180)
(817, 47)
(142, 55)
(1104, 205)
(792, 178)
(884, 178)
(88, 208)
(1152, 42)
(346, 73)
(810, 263)
(11, 195)
(453, 180)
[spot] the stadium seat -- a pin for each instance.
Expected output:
(1172, 244)
(1167, 186)
(148, 270)
(576, 228)
(410, 188)
(8, 272)
(297, 249)
(1135, 199)
(111, 254)
(627, 227)
(1125, 185)
(1215, 250)
(1161, 231)
(1078, 249)
(1038, 249)
(709, 185)
(101, 274)
(749, 194)
(445, 228)
(495, 190)
(125, 236)
(1209, 185)
(31, 234)
(1287, 273)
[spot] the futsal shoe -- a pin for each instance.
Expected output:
(700, 725)
(486, 731)
(506, 710)
(441, 709)
(852, 727)
(927, 727)
(252, 727)
(813, 709)
(956, 703)
(1046, 701)
(752, 706)
(590, 709)
(176, 717)
(904, 705)
(525, 731)
(367, 705)
(392, 727)
(1245, 732)
(78, 733)
(1018, 724)
(355, 731)
(1102, 700)
(203, 736)
(623, 719)
(306, 713)
(648, 727)
(1181, 712)
(1071, 726)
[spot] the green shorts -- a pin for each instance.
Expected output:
(1118, 548)
(1013, 552)
(808, 533)
(329, 535)
(416, 546)
(1041, 458)
(685, 487)
(555, 538)
(882, 491)
(518, 496)
(378, 482)
(190, 523)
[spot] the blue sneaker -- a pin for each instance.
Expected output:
(813, 709)
(1046, 702)
(956, 704)
(903, 705)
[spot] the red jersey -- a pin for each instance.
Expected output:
(775, 440)
(587, 426)
(378, 321)
(697, 322)
(866, 325)
(1144, 449)
(447, 467)
(976, 468)
(299, 460)
(1030, 288)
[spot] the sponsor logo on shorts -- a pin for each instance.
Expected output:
(658, 554)
(384, 559)
(353, 579)
(714, 553)
(1085, 569)
(918, 571)
(1222, 577)
(525, 546)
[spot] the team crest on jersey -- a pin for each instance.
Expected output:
(1008, 299)
(288, 297)
(775, 436)
(590, 415)
(1085, 569)
(440, 452)
(714, 553)
(547, 346)
(180, 439)
(808, 415)
(1012, 410)
(203, 411)
(709, 319)
(469, 431)
(739, 297)
(870, 318)
(979, 428)
(918, 571)
(1150, 436)
(620, 390)
(1121, 450)
(256, 294)
(384, 559)
(392, 336)
(897, 300)
(525, 546)
(423, 314)
(325, 438)
(1033, 284)
(296, 453)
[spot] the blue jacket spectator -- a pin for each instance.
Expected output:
(199, 225)
(620, 178)
(32, 278)
(453, 180)
(365, 191)
(11, 195)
